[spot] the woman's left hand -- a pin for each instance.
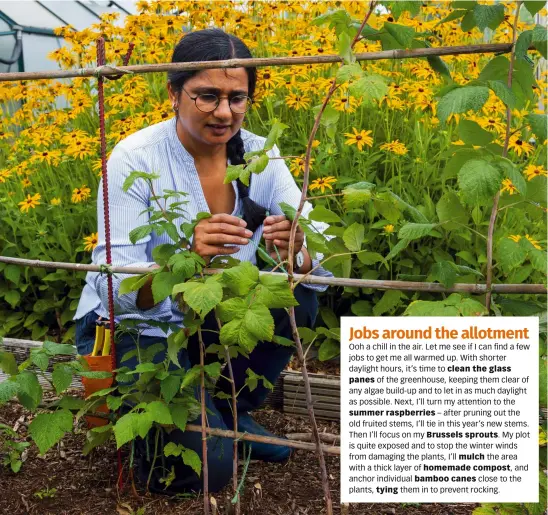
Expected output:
(276, 232)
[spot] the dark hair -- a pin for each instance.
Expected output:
(213, 45)
(217, 45)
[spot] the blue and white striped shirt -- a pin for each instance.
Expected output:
(157, 149)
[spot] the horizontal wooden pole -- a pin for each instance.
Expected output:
(108, 71)
(534, 289)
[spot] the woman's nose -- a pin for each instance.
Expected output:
(223, 108)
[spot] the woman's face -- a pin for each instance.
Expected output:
(215, 127)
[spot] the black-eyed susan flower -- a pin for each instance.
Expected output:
(508, 186)
(30, 202)
(297, 101)
(55, 201)
(396, 147)
(25, 183)
(359, 139)
(520, 146)
(80, 194)
(531, 171)
(297, 165)
(322, 183)
(91, 241)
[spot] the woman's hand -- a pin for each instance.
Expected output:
(211, 234)
(276, 232)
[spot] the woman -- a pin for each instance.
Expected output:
(191, 152)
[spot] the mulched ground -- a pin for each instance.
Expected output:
(70, 483)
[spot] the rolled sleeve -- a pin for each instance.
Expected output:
(286, 190)
(127, 211)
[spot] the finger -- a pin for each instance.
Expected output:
(228, 219)
(280, 235)
(278, 226)
(272, 219)
(226, 228)
(223, 239)
(281, 253)
(281, 244)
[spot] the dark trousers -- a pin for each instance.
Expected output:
(267, 359)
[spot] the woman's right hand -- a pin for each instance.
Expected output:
(211, 234)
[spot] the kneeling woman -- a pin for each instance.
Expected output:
(191, 152)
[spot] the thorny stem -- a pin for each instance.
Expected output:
(494, 210)
(204, 437)
(292, 319)
(156, 438)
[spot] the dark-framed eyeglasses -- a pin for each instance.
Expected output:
(208, 102)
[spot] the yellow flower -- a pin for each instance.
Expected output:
(315, 143)
(297, 165)
(91, 241)
(509, 187)
(388, 229)
(515, 237)
(296, 101)
(396, 147)
(359, 138)
(25, 183)
(30, 202)
(533, 171)
(520, 146)
(48, 156)
(322, 183)
(55, 201)
(80, 194)
(533, 242)
(4, 174)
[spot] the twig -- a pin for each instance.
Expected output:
(308, 437)
(203, 428)
(494, 210)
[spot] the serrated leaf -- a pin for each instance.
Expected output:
(358, 194)
(540, 39)
(159, 412)
(59, 349)
(202, 297)
(7, 362)
(284, 342)
(182, 264)
(175, 342)
(472, 134)
(396, 249)
(502, 91)
(46, 429)
(172, 449)
(328, 349)
(412, 231)
(62, 377)
(510, 254)
(240, 278)
(424, 308)
(370, 87)
(369, 258)
(169, 387)
(256, 325)
(213, 369)
(306, 334)
(524, 41)
(133, 176)
(232, 308)
(274, 291)
(344, 48)
(402, 34)
(162, 285)
(29, 391)
(461, 100)
(451, 212)
(114, 402)
(132, 283)
(471, 308)
(488, 16)
(353, 237)
(179, 414)
(339, 20)
(191, 459)
(538, 124)
(438, 65)
(322, 214)
(124, 429)
(443, 273)
(40, 359)
(274, 135)
(479, 181)
(8, 390)
(137, 234)
(389, 300)
(349, 72)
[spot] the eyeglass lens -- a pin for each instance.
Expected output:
(208, 102)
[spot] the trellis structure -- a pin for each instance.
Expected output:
(103, 71)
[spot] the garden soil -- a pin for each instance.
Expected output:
(65, 482)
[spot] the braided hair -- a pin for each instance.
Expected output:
(216, 45)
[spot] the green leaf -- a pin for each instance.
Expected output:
(534, 6)
(438, 65)
(369, 258)
(358, 194)
(173, 449)
(46, 429)
(139, 233)
(523, 81)
(457, 160)
(29, 391)
(399, 6)
(133, 176)
(454, 15)
(124, 429)
(306, 334)
(201, 297)
(524, 41)
(339, 20)
(349, 72)
(170, 386)
(241, 278)
(401, 245)
(213, 369)
(12, 273)
(234, 172)
(479, 181)
(540, 39)
(232, 308)
(468, 22)
(510, 254)
(538, 124)
(159, 412)
(322, 214)
(191, 459)
(361, 308)
(538, 260)
(256, 166)
(402, 34)
(502, 91)
(12, 298)
(274, 291)
(7, 362)
(114, 402)
(509, 170)
(8, 389)
(39, 358)
(183, 265)
(179, 415)
(275, 133)
(425, 308)
(284, 342)
(59, 349)
(162, 285)
(132, 283)
(329, 317)
(61, 376)
(451, 211)
(489, 16)
(472, 134)
(143, 368)
(411, 231)
(461, 100)
(256, 325)
(444, 273)
(471, 308)
(371, 87)
(389, 300)
(330, 116)
(344, 48)
(353, 237)
(328, 349)
(175, 342)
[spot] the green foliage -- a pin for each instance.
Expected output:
(462, 99)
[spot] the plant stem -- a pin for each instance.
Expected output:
(204, 437)
(494, 210)
(156, 438)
